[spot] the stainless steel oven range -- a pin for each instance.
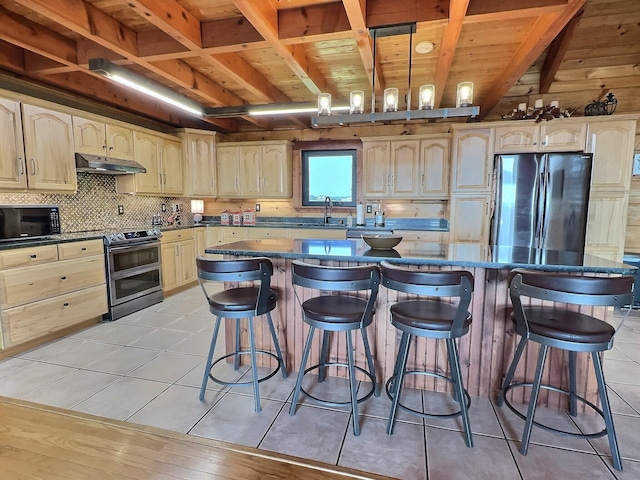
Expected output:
(134, 271)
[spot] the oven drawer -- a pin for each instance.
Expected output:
(177, 235)
(84, 248)
(37, 319)
(28, 284)
(21, 257)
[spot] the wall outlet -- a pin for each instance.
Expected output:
(257, 207)
(120, 210)
(163, 207)
(369, 208)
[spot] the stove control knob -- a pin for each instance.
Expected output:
(120, 236)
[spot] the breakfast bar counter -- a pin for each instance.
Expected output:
(484, 353)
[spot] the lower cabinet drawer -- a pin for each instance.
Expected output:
(22, 257)
(34, 320)
(84, 248)
(23, 285)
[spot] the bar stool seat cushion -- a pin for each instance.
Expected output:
(240, 299)
(334, 309)
(426, 314)
(566, 325)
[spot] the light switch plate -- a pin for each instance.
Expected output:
(120, 210)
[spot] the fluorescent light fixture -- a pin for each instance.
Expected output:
(136, 82)
(292, 108)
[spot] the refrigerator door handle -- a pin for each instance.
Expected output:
(542, 200)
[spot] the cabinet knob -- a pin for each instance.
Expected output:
(65, 304)
(33, 256)
(63, 278)
(83, 249)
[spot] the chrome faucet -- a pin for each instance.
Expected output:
(328, 209)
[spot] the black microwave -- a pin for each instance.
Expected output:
(28, 221)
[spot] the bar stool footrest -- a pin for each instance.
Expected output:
(424, 414)
(328, 403)
(565, 433)
(248, 383)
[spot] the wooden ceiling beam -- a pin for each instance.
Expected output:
(89, 22)
(356, 13)
(264, 17)
(544, 30)
(172, 18)
(11, 57)
(186, 30)
(457, 13)
(31, 36)
(505, 10)
(556, 52)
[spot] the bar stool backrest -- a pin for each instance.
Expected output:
(438, 283)
(338, 279)
(241, 270)
(564, 288)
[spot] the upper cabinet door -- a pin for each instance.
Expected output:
(119, 142)
(517, 138)
(12, 165)
(147, 152)
(612, 146)
(404, 175)
(250, 171)
(228, 171)
(200, 156)
(172, 167)
(376, 169)
(434, 174)
(472, 164)
(276, 171)
(562, 136)
(89, 136)
(48, 137)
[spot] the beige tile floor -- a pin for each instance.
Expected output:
(146, 368)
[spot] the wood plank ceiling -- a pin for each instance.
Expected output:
(238, 52)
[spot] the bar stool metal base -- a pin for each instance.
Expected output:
(390, 387)
(329, 403)
(564, 433)
(248, 383)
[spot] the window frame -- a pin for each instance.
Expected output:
(305, 153)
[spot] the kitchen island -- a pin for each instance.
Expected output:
(484, 353)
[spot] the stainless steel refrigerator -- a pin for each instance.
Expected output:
(542, 200)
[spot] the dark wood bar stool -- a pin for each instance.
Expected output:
(337, 313)
(430, 318)
(237, 303)
(571, 330)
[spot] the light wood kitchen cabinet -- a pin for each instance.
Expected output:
(48, 144)
(606, 224)
(406, 167)
(611, 143)
(434, 168)
(469, 218)
(162, 157)
(12, 162)
(391, 168)
(178, 253)
(200, 163)
(549, 136)
(171, 165)
(48, 288)
(207, 237)
(472, 160)
(103, 139)
(254, 170)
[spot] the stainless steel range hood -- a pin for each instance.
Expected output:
(106, 165)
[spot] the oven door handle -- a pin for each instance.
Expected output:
(133, 245)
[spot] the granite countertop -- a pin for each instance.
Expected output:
(423, 253)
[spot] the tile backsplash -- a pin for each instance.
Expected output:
(95, 205)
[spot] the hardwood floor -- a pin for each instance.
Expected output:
(38, 441)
